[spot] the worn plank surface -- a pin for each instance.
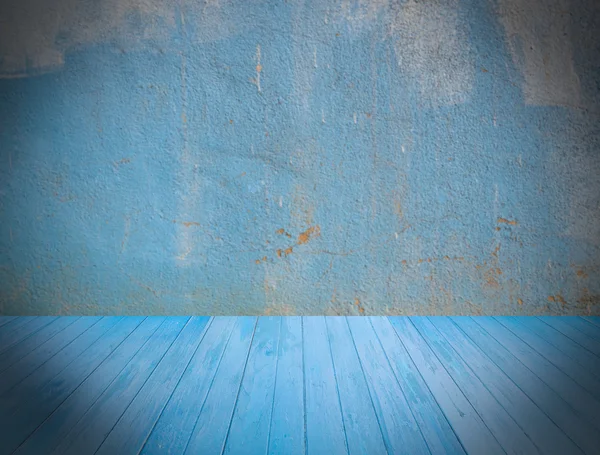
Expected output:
(311, 385)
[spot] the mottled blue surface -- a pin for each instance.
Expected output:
(300, 157)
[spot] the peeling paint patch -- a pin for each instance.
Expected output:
(507, 221)
(360, 308)
(557, 298)
(283, 232)
(311, 232)
(581, 274)
(433, 51)
(589, 302)
(538, 36)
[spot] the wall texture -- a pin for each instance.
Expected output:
(299, 157)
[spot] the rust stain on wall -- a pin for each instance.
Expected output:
(557, 298)
(304, 237)
(187, 223)
(283, 232)
(507, 221)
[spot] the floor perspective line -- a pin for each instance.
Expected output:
(299, 385)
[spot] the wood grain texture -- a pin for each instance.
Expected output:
(542, 431)
(136, 423)
(310, 385)
(65, 419)
(175, 425)
(210, 429)
(325, 431)
(287, 420)
(559, 410)
(360, 420)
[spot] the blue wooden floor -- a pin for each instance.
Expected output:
(317, 385)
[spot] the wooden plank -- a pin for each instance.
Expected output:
(400, 430)
(13, 325)
(287, 420)
(563, 343)
(134, 427)
(360, 421)
(542, 431)
(324, 423)
(528, 348)
(569, 328)
(88, 434)
(24, 347)
(249, 429)
(468, 425)
(593, 320)
(176, 423)
(507, 431)
(581, 375)
(51, 357)
(23, 332)
(584, 325)
(27, 416)
(436, 430)
(51, 432)
(210, 430)
(557, 409)
(6, 319)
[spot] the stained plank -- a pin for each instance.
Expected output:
(468, 425)
(528, 348)
(560, 411)
(90, 432)
(542, 431)
(210, 430)
(65, 418)
(24, 347)
(176, 423)
(249, 429)
(512, 437)
(434, 425)
(133, 428)
(287, 420)
(325, 431)
(361, 423)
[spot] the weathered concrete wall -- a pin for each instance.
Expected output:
(299, 157)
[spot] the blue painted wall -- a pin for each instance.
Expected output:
(299, 157)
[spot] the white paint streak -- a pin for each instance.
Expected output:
(433, 51)
(360, 13)
(537, 32)
(258, 67)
